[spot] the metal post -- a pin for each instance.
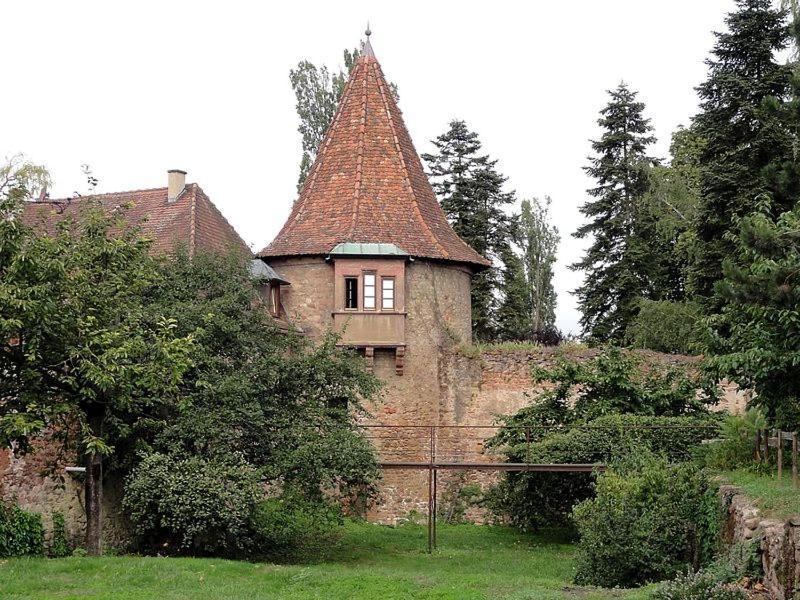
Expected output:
(430, 496)
(435, 508)
(780, 454)
(794, 458)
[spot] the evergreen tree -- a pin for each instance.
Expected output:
(470, 190)
(743, 134)
(318, 92)
(539, 242)
(514, 313)
(615, 265)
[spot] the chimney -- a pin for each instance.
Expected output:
(176, 183)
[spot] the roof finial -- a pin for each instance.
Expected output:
(366, 47)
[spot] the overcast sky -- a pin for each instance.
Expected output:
(137, 88)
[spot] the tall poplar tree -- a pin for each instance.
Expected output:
(539, 242)
(615, 269)
(470, 191)
(742, 131)
(318, 91)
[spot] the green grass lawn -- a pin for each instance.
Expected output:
(775, 498)
(372, 561)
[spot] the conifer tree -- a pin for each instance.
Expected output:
(743, 134)
(470, 191)
(514, 313)
(616, 270)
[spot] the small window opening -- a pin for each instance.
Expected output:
(387, 293)
(369, 291)
(351, 293)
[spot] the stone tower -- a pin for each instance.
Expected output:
(369, 253)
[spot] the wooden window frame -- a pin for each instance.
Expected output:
(347, 279)
(393, 279)
(374, 287)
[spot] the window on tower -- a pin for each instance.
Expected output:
(351, 293)
(387, 293)
(369, 291)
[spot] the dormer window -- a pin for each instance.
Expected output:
(387, 293)
(369, 291)
(351, 293)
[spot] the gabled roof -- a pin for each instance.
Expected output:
(367, 185)
(191, 221)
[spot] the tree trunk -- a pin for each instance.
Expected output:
(93, 489)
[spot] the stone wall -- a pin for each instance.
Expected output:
(778, 540)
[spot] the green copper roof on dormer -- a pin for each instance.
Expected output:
(358, 249)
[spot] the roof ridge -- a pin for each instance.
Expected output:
(308, 184)
(404, 167)
(90, 196)
(362, 129)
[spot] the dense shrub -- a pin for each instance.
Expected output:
(292, 526)
(698, 586)
(532, 500)
(193, 505)
(741, 562)
(736, 443)
(21, 532)
(664, 326)
(648, 521)
(59, 546)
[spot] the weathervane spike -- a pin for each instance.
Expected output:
(366, 46)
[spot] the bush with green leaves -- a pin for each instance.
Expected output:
(591, 412)
(700, 585)
(193, 505)
(533, 500)
(735, 446)
(647, 522)
(718, 580)
(59, 545)
(666, 326)
(291, 526)
(21, 532)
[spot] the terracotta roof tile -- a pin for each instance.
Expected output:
(191, 220)
(367, 184)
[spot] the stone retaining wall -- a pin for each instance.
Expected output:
(779, 542)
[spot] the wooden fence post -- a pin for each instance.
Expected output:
(766, 446)
(757, 454)
(779, 437)
(794, 458)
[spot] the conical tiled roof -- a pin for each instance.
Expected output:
(367, 184)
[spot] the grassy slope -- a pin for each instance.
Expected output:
(373, 562)
(775, 498)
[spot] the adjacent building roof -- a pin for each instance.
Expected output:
(261, 271)
(191, 220)
(367, 185)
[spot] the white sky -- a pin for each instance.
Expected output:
(137, 88)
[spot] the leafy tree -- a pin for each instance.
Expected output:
(539, 241)
(666, 326)
(755, 339)
(666, 216)
(318, 92)
(470, 190)
(80, 355)
(289, 406)
(742, 130)
(617, 270)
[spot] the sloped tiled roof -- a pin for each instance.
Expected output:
(191, 221)
(367, 184)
